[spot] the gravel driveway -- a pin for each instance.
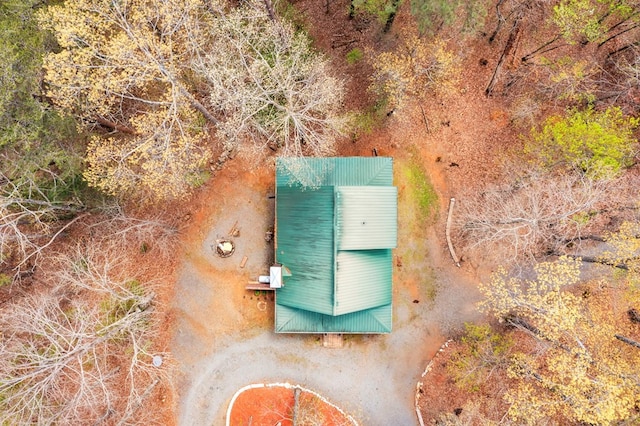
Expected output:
(224, 338)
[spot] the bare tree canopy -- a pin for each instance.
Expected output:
(532, 216)
(70, 360)
(274, 89)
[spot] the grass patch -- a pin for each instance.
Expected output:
(365, 122)
(5, 280)
(429, 288)
(421, 190)
(417, 210)
(286, 10)
(196, 180)
(116, 308)
(354, 56)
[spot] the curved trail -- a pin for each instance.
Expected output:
(373, 381)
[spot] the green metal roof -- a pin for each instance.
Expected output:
(337, 171)
(362, 281)
(373, 321)
(336, 226)
(305, 247)
(365, 217)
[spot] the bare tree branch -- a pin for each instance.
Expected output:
(67, 360)
(530, 217)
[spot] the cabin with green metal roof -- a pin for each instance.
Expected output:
(336, 224)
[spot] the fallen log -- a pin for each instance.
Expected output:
(455, 258)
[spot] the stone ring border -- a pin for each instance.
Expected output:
(419, 385)
(286, 386)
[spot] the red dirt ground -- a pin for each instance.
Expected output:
(440, 395)
(274, 405)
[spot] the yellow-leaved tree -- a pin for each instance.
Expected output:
(625, 255)
(160, 72)
(121, 65)
(579, 370)
(414, 68)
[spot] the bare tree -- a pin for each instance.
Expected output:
(152, 231)
(80, 353)
(534, 215)
(619, 80)
(29, 222)
(275, 91)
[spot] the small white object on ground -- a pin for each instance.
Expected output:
(157, 361)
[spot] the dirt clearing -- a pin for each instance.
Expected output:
(224, 335)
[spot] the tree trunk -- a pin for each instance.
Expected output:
(523, 323)
(528, 56)
(447, 232)
(501, 21)
(296, 406)
(591, 259)
(623, 21)
(623, 48)
(628, 341)
(618, 34)
(511, 42)
(270, 11)
(115, 126)
(583, 238)
(197, 105)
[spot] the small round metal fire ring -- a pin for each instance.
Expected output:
(224, 248)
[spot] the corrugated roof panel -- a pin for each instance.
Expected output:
(306, 247)
(382, 316)
(363, 280)
(362, 171)
(291, 320)
(338, 171)
(356, 298)
(366, 217)
(305, 172)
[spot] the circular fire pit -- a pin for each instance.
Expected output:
(224, 248)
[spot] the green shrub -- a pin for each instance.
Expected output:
(366, 121)
(381, 9)
(354, 56)
(482, 351)
(5, 280)
(599, 143)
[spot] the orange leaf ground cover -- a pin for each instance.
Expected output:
(274, 404)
